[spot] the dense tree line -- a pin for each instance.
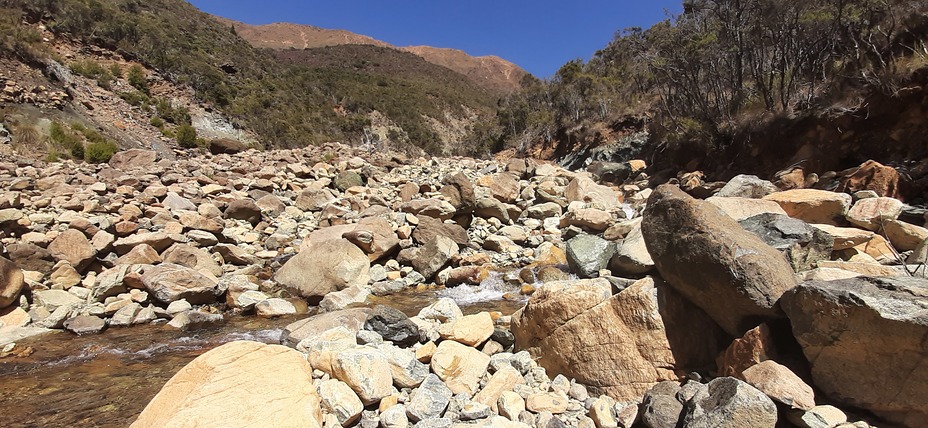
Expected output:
(720, 64)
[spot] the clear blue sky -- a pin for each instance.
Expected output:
(538, 35)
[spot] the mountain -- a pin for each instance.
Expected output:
(192, 70)
(490, 72)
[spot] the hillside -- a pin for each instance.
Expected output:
(195, 63)
(490, 72)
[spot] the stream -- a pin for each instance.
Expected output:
(106, 380)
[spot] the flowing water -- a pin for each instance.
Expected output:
(106, 380)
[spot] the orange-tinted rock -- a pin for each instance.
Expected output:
(755, 346)
(872, 175)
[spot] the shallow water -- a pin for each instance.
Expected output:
(106, 380)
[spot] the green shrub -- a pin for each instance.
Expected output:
(116, 70)
(186, 136)
(77, 150)
(65, 139)
(100, 152)
(156, 122)
(175, 115)
(87, 68)
(138, 80)
(135, 98)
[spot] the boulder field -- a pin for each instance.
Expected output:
(755, 307)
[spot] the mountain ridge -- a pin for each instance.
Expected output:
(489, 71)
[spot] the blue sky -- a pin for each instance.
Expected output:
(538, 35)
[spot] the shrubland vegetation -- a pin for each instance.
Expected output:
(79, 142)
(289, 102)
(723, 67)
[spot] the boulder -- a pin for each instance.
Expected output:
(730, 403)
(708, 258)
(314, 199)
(591, 219)
(652, 331)
(459, 366)
(85, 324)
(433, 207)
(464, 198)
(802, 244)
(904, 236)
(429, 400)
(243, 209)
(31, 257)
(813, 206)
(430, 228)
(780, 384)
(239, 384)
(470, 330)
(505, 379)
(366, 371)
(228, 146)
(756, 346)
(872, 213)
(584, 189)
(73, 247)
(631, 257)
(742, 208)
(192, 257)
(432, 257)
(325, 267)
(503, 186)
(11, 283)
(169, 282)
(352, 319)
(126, 160)
(160, 241)
(872, 175)
(392, 325)
(347, 179)
(191, 320)
(338, 399)
(858, 337)
(747, 186)
(588, 254)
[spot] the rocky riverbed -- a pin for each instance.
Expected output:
(603, 301)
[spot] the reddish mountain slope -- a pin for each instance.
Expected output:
(490, 72)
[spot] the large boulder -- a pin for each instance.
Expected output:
(325, 267)
(706, 256)
(430, 228)
(652, 331)
(864, 338)
(432, 257)
(11, 282)
(239, 384)
(747, 186)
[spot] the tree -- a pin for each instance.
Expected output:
(138, 79)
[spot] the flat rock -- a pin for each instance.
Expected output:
(169, 282)
(813, 206)
(459, 366)
(239, 384)
(780, 384)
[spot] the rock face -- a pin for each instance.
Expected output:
(709, 259)
(861, 337)
(11, 282)
(325, 267)
(563, 325)
(239, 384)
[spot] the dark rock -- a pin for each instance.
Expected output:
(503, 337)
(393, 325)
(11, 283)
(225, 146)
(802, 244)
(347, 179)
(660, 407)
(31, 257)
(243, 209)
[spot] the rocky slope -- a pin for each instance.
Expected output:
(647, 306)
(489, 72)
